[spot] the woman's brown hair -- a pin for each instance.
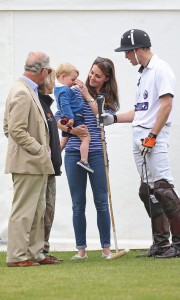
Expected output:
(109, 88)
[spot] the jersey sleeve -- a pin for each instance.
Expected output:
(166, 81)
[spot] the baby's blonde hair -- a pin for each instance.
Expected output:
(65, 68)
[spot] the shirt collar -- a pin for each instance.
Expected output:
(60, 84)
(32, 84)
(150, 64)
(141, 69)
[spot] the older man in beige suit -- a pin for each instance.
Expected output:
(28, 159)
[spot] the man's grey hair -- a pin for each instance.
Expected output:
(36, 61)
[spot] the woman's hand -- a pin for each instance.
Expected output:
(80, 130)
(83, 89)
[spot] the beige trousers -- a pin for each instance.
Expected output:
(26, 222)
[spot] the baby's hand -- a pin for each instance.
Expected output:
(70, 122)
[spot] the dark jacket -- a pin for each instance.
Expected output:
(54, 144)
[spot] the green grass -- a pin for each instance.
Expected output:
(127, 278)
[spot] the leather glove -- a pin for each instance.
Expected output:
(109, 119)
(148, 143)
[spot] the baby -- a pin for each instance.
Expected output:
(71, 109)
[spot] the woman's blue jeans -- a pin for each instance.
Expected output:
(77, 180)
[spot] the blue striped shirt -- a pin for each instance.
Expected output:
(90, 121)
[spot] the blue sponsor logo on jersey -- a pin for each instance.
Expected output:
(141, 106)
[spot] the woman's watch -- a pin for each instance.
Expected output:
(69, 129)
(90, 100)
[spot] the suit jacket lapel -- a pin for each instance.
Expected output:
(36, 99)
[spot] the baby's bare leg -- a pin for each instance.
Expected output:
(84, 148)
(63, 142)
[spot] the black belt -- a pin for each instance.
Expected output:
(168, 124)
(143, 127)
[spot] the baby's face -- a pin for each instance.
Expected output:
(69, 80)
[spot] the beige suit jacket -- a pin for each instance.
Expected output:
(26, 127)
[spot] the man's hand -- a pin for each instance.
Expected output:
(148, 143)
(108, 119)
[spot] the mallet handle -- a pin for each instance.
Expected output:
(100, 104)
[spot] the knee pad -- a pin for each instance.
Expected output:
(146, 195)
(166, 195)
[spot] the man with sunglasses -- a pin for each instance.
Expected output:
(28, 160)
(151, 120)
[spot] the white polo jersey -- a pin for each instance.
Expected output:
(154, 81)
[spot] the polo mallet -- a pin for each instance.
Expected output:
(100, 104)
(148, 192)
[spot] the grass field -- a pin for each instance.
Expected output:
(127, 278)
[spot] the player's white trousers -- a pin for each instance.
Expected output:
(157, 161)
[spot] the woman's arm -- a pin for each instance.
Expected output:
(80, 130)
(84, 91)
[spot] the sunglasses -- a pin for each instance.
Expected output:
(48, 70)
(103, 61)
(127, 51)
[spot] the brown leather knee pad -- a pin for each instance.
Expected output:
(165, 194)
(145, 192)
